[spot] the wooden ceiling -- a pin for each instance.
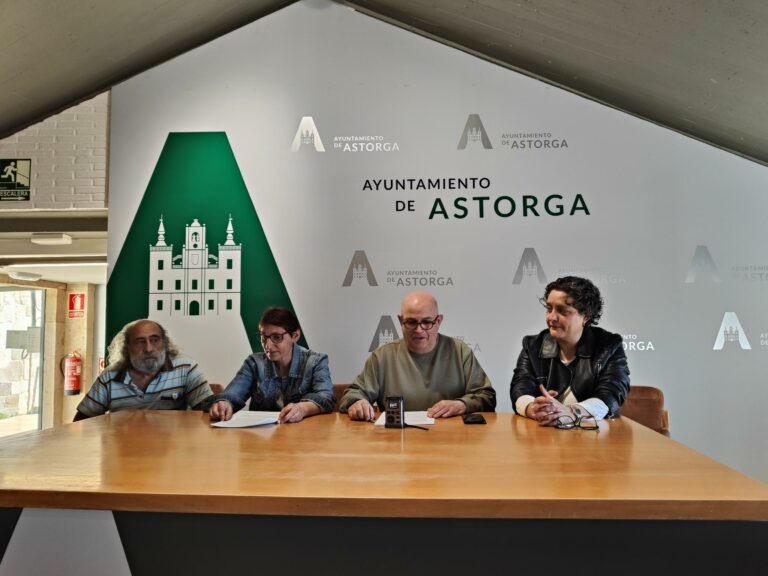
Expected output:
(695, 66)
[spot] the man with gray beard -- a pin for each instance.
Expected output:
(145, 373)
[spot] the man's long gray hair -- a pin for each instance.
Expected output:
(118, 354)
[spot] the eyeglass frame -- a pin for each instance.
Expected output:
(577, 422)
(263, 338)
(420, 323)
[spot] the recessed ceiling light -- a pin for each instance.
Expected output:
(51, 239)
(28, 276)
(47, 264)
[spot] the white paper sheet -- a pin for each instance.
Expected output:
(416, 418)
(246, 418)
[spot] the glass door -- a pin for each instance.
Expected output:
(22, 322)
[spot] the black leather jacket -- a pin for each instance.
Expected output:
(599, 370)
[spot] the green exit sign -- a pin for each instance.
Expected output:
(15, 174)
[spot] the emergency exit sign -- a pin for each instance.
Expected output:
(15, 175)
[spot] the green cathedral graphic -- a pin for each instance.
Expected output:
(196, 178)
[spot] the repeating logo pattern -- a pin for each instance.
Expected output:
(702, 264)
(360, 269)
(307, 135)
(385, 333)
(474, 132)
(632, 343)
(473, 135)
(731, 333)
(529, 267)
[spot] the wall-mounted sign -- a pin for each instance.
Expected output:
(500, 189)
(15, 176)
(76, 307)
(28, 339)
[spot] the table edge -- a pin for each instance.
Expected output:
(565, 509)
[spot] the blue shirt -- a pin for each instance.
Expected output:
(308, 380)
(179, 384)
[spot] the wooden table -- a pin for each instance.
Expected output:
(326, 467)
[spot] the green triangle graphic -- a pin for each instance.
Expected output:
(196, 176)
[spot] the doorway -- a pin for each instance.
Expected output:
(22, 325)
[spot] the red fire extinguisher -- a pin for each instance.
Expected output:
(71, 368)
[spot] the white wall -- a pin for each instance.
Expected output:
(653, 196)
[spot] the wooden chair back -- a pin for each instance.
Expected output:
(645, 405)
(338, 392)
(216, 388)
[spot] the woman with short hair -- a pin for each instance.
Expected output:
(285, 377)
(573, 369)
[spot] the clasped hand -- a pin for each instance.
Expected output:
(546, 409)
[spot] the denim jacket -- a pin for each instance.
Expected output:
(309, 379)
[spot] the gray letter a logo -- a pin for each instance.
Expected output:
(385, 333)
(529, 267)
(359, 269)
(474, 131)
(731, 331)
(702, 262)
(307, 134)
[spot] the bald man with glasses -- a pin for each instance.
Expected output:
(431, 371)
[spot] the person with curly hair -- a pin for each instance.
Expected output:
(145, 372)
(571, 370)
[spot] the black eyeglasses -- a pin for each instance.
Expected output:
(276, 337)
(425, 324)
(583, 422)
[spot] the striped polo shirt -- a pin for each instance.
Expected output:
(179, 384)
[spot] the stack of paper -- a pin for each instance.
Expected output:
(412, 418)
(246, 418)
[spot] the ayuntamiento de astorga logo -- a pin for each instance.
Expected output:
(529, 267)
(360, 269)
(702, 266)
(193, 280)
(308, 136)
(385, 333)
(704, 269)
(474, 134)
(196, 182)
(731, 333)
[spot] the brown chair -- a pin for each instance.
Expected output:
(338, 392)
(216, 388)
(645, 405)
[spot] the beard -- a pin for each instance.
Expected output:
(148, 362)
